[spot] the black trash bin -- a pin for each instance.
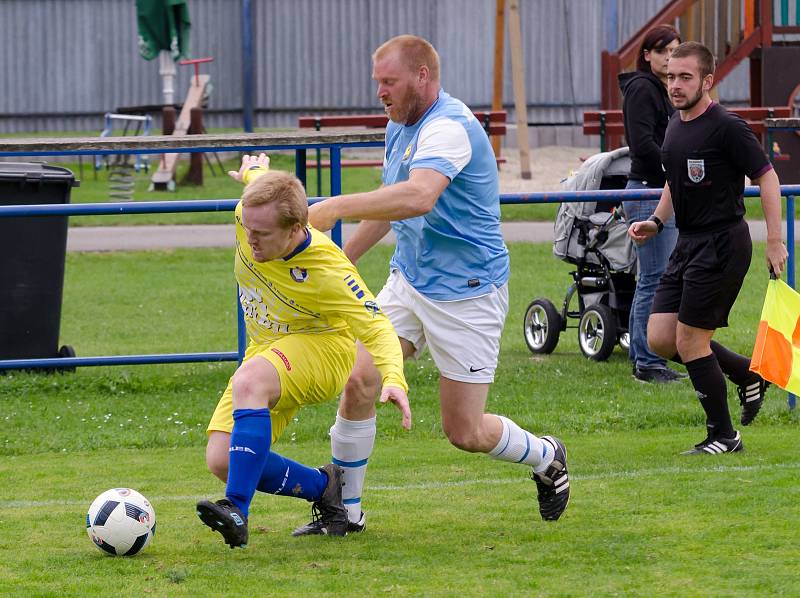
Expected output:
(32, 253)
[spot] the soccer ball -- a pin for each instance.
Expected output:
(121, 522)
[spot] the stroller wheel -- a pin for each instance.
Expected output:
(542, 326)
(597, 332)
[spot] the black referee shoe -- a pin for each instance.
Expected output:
(717, 446)
(553, 483)
(751, 397)
(225, 517)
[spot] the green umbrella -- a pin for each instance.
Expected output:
(163, 25)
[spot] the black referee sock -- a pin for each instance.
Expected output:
(734, 366)
(709, 382)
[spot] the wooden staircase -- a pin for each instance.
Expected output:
(734, 30)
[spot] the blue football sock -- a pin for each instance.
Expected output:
(290, 478)
(250, 440)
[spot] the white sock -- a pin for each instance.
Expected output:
(351, 446)
(520, 446)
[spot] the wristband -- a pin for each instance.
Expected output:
(659, 223)
(253, 172)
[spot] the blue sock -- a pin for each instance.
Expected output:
(250, 440)
(290, 478)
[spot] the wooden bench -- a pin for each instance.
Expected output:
(493, 122)
(609, 123)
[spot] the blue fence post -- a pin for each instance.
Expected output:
(248, 88)
(300, 166)
(336, 188)
(791, 400)
(241, 331)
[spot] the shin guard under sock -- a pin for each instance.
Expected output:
(250, 440)
(736, 367)
(709, 383)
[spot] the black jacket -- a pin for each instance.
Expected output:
(646, 110)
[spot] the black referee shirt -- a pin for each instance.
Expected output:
(706, 160)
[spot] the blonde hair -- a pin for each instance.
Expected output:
(414, 51)
(282, 189)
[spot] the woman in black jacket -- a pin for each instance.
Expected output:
(646, 110)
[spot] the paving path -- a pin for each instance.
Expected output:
(136, 238)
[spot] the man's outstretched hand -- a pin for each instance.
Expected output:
(248, 161)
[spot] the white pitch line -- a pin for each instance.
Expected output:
(632, 474)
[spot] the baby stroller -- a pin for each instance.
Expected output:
(592, 236)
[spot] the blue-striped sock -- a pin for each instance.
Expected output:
(289, 478)
(250, 440)
(520, 446)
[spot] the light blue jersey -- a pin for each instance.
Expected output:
(456, 251)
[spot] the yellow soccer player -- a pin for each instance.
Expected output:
(304, 305)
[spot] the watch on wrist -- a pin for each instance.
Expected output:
(659, 223)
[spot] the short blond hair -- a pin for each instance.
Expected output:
(282, 189)
(415, 52)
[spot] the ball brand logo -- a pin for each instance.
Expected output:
(123, 491)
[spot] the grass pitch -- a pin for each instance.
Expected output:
(643, 520)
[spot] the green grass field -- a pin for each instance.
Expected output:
(643, 520)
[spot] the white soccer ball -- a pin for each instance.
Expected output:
(121, 522)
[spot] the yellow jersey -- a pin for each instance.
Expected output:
(314, 290)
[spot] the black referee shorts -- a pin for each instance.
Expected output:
(704, 275)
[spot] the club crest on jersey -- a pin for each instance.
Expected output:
(697, 170)
(407, 153)
(298, 274)
(372, 307)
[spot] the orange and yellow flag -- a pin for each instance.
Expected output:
(776, 355)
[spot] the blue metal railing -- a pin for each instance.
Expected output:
(790, 191)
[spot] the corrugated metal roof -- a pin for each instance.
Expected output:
(68, 62)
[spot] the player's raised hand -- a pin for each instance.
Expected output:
(400, 399)
(248, 162)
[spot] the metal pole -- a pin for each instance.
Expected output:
(300, 167)
(247, 66)
(611, 25)
(336, 188)
(791, 400)
(241, 331)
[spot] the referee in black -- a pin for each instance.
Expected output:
(706, 154)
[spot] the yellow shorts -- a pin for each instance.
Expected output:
(312, 368)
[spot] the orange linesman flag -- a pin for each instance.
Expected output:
(776, 355)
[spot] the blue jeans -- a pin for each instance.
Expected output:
(652, 257)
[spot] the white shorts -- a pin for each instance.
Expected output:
(463, 336)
